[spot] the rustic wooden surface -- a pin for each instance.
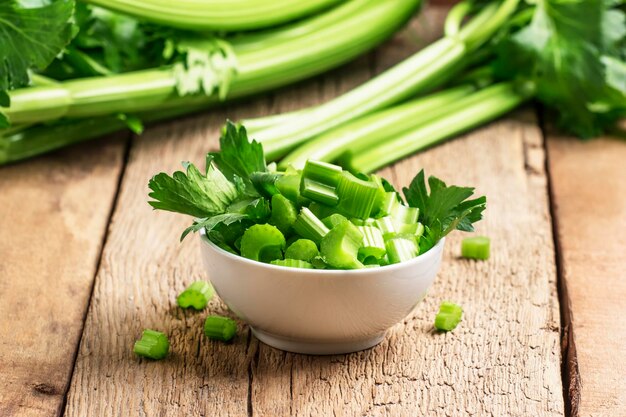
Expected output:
(504, 359)
(54, 212)
(589, 200)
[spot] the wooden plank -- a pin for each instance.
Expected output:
(503, 360)
(54, 212)
(589, 200)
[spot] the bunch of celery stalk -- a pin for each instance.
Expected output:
(94, 69)
(494, 56)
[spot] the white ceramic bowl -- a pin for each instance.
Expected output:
(319, 311)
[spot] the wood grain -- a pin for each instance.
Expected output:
(588, 189)
(54, 213)
(503, 360)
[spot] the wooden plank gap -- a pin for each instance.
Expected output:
(569, 363)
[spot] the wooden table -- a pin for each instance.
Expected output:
(85, 265)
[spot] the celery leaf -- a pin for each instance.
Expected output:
(32, 33)
(444, 209)
(562, 52)
(192, 192)
(238, 156)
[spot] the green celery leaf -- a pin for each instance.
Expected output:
(238, 156)
(265, 182)
(257, 209)
(108, 43)
(211, 223)
(32, 33)
(561, 52)
(446, 208)
(191, 192)
(5, 100)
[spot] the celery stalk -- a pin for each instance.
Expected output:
(215, 14)
(369, 130)
(467, 113)
(417, 73)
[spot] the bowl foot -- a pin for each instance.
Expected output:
(316, 348)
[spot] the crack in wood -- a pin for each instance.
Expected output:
(569, 363)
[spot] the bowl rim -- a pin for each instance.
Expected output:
(421, 258)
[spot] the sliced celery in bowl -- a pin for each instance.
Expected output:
(319, 311)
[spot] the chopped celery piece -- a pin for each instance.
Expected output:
(289, 186)
(405, 215)
(302, 249)
(400, 249)
(373, 243)
(262, 242)
(407, 229)
(448, 317)
(477, 247)
(419, 230)
(318, 191)
(380, 194)
(319, 180)
(340, 246)
(220, 328)
(322, 211)
(322, 172)
(387, 226)
(372, 266)
(384, 260)
(356, 196)
(308, 226)
(370, 260)
(197, 295)
(413, 229)
(318, 263)
(284, 213)
(292, 263)
(360, 222)
(388, 204)
(153, 345)
(333, 220)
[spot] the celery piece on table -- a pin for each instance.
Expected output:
(197, 295)
(220, 328)
(153, 345)
(448, 317)
(476, 247)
